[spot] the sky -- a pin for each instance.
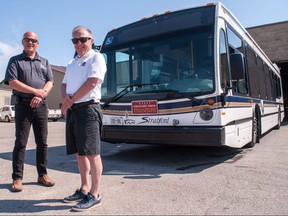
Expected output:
(53, 20)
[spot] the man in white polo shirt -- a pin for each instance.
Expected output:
(81, 94)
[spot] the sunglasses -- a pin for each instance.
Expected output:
(82, 40)
(27, 40)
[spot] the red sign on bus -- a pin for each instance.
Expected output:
(145, 107)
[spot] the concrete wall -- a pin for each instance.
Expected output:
(54, 98)
(273, 39)
(5, 96)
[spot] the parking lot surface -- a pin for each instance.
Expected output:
(155, 180)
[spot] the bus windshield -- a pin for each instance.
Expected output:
(180, 62)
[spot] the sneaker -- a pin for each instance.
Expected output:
(46, 181)
(17, 185)
(88, 202)
(76, 197)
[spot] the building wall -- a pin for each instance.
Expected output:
(54, 98)
(5, 97)
(273, 39)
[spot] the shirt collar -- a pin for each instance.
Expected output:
(87, 54)
(24, 56)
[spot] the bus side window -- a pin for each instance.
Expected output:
(224, 70)
(236, 47)
(238, 71)
(253, 72)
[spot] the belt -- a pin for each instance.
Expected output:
(78, 105)
(25, 101)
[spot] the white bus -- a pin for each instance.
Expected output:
(189, 77)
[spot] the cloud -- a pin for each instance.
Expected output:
(6, 52)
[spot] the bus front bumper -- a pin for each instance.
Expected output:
(188, 136)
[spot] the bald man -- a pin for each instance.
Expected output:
(30, 76)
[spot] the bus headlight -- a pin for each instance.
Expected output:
(206, 114)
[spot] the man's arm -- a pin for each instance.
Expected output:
(21, 87)
(48, 87)
(66, 100)
(87, 86)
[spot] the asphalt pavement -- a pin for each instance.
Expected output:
(155, 180)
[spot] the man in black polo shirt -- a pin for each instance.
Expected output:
(31, 79)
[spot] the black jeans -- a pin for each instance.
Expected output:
(25, 116)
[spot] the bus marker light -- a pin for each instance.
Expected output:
(210, 101)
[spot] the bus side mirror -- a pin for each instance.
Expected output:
(237, 66)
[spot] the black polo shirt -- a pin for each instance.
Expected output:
(33, 72)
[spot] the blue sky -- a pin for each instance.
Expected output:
(53, 20)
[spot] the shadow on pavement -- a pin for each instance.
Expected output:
(147, 161)
(284, 122)
(153, 161)
(57, 159)
(130, 161)
(31, 206)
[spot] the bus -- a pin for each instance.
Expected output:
(189, 77)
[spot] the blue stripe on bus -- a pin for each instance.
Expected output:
(202, 102)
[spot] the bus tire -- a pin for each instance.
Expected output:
(255, 130)
(277, 127)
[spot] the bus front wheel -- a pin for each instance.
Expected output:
(277, 127)
(255, 130)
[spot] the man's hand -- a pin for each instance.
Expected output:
(21, 87)
(66, 104)
(41, 93)
(35, 102)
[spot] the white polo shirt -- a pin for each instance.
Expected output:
(92, 64)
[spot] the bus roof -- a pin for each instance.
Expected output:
(162, 24)
(165, 13)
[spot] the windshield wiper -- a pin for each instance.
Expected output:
(175, 93)
(171, 93)
(124, 92)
